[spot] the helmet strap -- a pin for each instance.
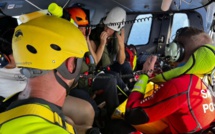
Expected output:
(61, 82)
(66, 74)
(31, 72)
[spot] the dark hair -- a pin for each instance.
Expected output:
(188, 32)
(7, 27)
(191, 38)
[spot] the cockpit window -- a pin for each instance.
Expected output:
(179, 20)
(140, 31)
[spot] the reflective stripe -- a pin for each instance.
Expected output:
(37, 110)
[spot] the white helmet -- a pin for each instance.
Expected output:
(115, 18)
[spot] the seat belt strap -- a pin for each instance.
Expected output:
(37, 110)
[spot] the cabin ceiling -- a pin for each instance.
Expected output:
(17, 7)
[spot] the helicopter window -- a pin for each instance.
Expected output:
(179, 20)
(140, 31)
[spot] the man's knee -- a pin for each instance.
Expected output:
(80, 111)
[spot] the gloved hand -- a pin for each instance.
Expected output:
(140, 85)
(148, 67)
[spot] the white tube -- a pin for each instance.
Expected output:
(166, 5)
(27, 17)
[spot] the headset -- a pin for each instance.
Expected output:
(4, 60)
(175, 50)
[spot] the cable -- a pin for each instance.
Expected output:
(178, 7)
(66, 3)
(2, 12)
(121, 91)
(33, 4)
(125, 22)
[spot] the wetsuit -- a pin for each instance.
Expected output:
(185, 102)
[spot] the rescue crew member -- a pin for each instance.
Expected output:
(50, 66)
(185, 102)
(84, 119)
(11, 77)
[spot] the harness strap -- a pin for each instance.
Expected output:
(35, 110)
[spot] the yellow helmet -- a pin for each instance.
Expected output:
(46, 42)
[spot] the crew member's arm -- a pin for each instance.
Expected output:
(99, 51)
(121, 52)
(134, 113)
(90, 47)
